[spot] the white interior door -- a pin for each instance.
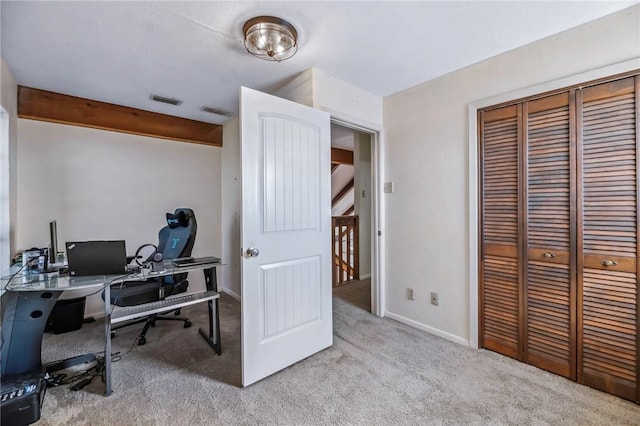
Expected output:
(286, 233)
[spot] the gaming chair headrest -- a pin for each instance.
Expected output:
(179, 218)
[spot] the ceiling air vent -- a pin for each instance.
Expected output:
(217, 111)
(165, 100)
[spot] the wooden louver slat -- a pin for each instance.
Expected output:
(549, 336)
(559, 264)
(500, 266)
(608, 206)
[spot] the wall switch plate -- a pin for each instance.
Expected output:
(434, 298)
(411, 294)
(388, 187)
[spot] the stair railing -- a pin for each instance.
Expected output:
(346, 253)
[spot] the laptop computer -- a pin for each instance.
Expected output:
(96, 258)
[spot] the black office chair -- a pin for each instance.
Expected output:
(174, 240)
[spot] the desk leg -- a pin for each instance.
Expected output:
(107, 340)
(213, 338)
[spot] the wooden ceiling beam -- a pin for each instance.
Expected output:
(341, 156)
(35, 104)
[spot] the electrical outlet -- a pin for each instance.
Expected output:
(411, 294)
(434, 298)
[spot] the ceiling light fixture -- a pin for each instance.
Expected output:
(270, 38)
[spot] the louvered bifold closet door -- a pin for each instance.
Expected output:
(500, 273)
(550, 217)
(607, 237)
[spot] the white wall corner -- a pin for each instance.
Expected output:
(229, 275)
(9, 166)
(299, 89)
(232, 294)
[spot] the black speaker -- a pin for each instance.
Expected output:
(21, 399)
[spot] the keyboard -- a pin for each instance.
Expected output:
(146, 309)
(194, 261)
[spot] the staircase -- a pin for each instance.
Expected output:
(345, 224)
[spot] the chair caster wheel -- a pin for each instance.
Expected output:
(142, 341)
(187, 324)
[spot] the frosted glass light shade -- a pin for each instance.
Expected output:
(270, 38)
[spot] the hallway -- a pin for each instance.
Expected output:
(357, 293)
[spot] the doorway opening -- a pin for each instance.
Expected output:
(352, 213)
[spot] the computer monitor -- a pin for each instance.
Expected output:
(53, 242)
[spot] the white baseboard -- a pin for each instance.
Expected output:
(95, 315)
(365, 277)
(420, 326)
(231, 293)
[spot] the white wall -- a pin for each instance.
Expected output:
(8, 165)
(106, 185)
(426, 156)
(299, 89)
(231, 207)
(344, 101)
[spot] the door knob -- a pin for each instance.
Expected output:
(252, 252)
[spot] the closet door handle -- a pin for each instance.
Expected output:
(609, 263)
(548, 255)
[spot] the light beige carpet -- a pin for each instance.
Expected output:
(377, 372)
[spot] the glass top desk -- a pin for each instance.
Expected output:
(38, 293)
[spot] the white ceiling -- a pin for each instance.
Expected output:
(121, 52)
(342, 137)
